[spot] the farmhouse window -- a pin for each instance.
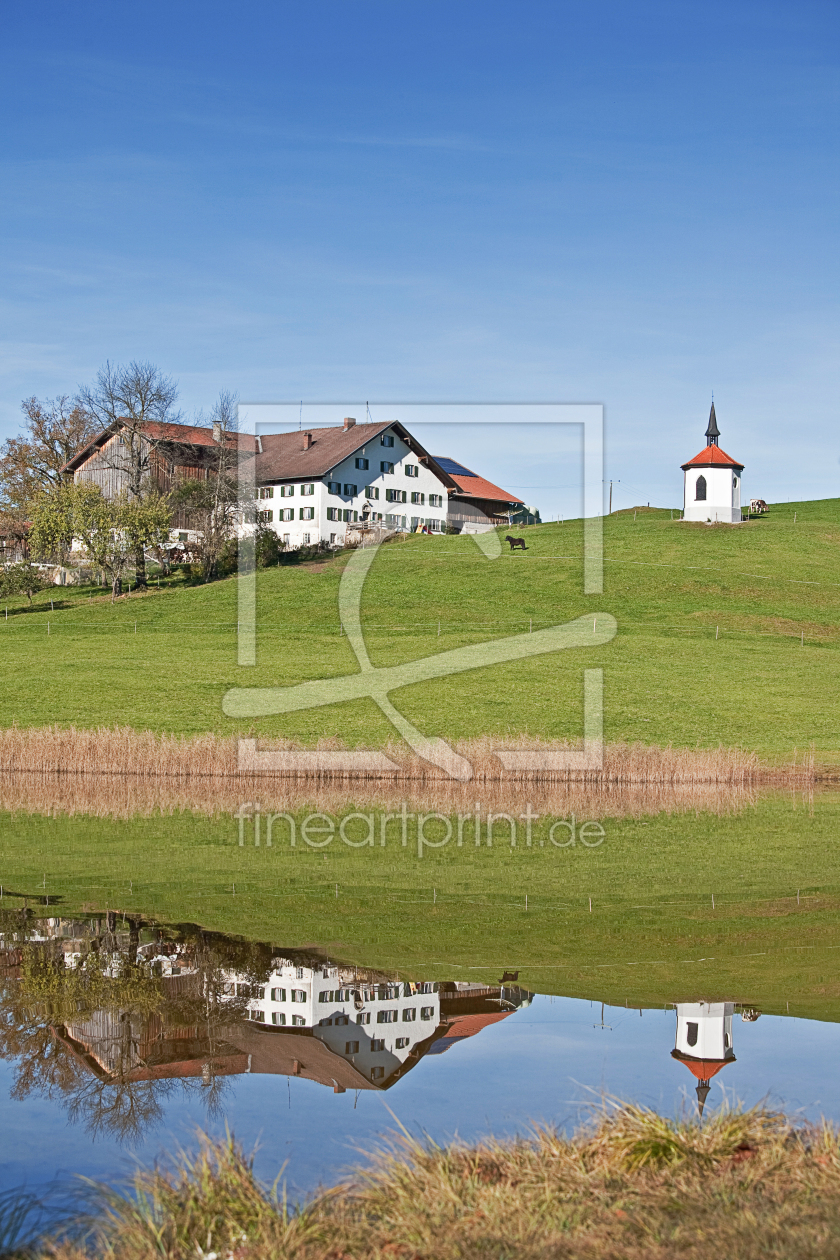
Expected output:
(700, 489)
(427, 1012)
(377, 1043)
(278, 995)
(298, 1021)
(351, 1047)
(435, 500)
(364, 1018)
(298, 995)
(377, 1073)
(286, 514)
(333, 514)
(350, 489)
(342, 1019)
(372, 492)
(409, 1014)
(334, 487)
(386, 466)
(402, 1043)
(349, 515)
(307, 538)
(307, 513)
(308, 488)
(277, 1017)
(387, 1017)
(266, 492)
(395, 496)
(417, 497)
(411, 470)
(287, 492)
(364, 464)
(387, 439)
(265, 518)
(259, 1016)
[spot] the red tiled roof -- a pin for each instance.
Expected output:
(479, 488)
(703, 1069)
(283, 456)
(179, 434)
(712, 457)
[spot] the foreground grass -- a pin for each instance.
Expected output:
(632, 1185)
(651, 934)
(693, 604)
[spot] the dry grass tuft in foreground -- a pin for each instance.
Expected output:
(126, 752)
(632, 1185)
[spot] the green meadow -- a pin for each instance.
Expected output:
(725, 635)
(682, 906)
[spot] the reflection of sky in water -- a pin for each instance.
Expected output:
(540, 1064)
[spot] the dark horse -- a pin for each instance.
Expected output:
(515, 542)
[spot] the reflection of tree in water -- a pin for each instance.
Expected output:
(94, 1022)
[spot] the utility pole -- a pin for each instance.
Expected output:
(610, 511)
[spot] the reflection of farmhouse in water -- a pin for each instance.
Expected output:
(221, 1008)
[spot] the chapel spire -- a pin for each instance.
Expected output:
(712, 432)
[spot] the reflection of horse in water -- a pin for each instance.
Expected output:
(515, 542)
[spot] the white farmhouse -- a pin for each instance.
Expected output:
(704, 1041)
(376, 1026)
(315, 485)
(712, 482)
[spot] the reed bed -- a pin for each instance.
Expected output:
(125, 797)
(634, 1184)
(125, 752)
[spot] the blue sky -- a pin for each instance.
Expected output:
(631, 204)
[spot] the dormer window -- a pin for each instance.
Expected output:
(700, 489)
(387, 439)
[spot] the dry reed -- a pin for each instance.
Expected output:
(634, 1184)
(125, 752)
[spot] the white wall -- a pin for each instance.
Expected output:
(346, 473)
(713, 1023)
(326, 1017)
(723, 495)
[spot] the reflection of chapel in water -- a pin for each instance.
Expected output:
(704, 1041)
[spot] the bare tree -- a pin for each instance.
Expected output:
(134, 399)
(212, 504)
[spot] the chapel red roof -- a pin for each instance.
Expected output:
(712, 457)
(703, 1069)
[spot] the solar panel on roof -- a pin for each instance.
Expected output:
(453, 467)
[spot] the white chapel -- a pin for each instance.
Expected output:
(712, 482)
(704, 1041)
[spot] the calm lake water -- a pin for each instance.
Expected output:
(315, 1063)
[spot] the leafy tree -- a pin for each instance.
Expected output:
(31, 463)
(21, 579)
(112, 531)
(134, 399)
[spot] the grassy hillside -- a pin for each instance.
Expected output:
(652, 935)
(761, 588)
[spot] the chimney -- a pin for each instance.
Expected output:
(349, 422)
(307, 441)
(217, 431)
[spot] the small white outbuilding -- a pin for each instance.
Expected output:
(712, 482)
(704, 1041)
